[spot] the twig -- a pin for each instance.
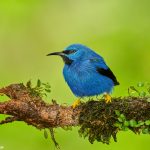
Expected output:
(8, 120)
(53, 138)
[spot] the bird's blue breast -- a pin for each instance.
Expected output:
(84, 80)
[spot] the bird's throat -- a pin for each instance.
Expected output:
(66, 60)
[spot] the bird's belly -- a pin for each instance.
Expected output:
(88, 84)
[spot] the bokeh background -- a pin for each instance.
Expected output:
(30, 29)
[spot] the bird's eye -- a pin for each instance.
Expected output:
(69, 51)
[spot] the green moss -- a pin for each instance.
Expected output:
(96, 122)
(101, 122)
(40, 89)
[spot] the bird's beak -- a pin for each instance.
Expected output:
(64, 57)
(56, 53)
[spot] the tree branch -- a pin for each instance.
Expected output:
(34, 111)
(98, 120)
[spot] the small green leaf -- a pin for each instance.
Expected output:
(133, 123)
(126, 123)
(45, 134)
(147, 122)
(145, 131)
(117, 112)
(118, 124)
(28, 84)
(125, 128)
(143, 94)
(122, 116)
(133, 90)
(140, 123)
(140, 84)
(46, 85)
(38, 83)
(120, 119)
(48, 90)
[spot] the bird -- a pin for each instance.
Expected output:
(86, 72)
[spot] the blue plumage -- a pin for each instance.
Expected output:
(86, 72)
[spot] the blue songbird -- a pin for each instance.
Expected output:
(86, 72)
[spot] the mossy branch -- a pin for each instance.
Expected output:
(96, 119)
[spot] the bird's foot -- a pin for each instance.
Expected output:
(76, 103)
(107, 98)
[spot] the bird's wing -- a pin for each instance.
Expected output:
(103, 69)
(108, 73)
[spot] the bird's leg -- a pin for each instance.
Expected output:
(76, 103)
(107, 98)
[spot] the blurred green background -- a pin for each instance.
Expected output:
(30, 29)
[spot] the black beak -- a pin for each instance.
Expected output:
(64, 57)
(56, 53)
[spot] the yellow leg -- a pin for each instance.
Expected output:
(107, 98)
(76, 103)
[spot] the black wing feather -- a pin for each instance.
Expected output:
(108, 73)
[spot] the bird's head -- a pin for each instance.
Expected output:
(74, 52)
